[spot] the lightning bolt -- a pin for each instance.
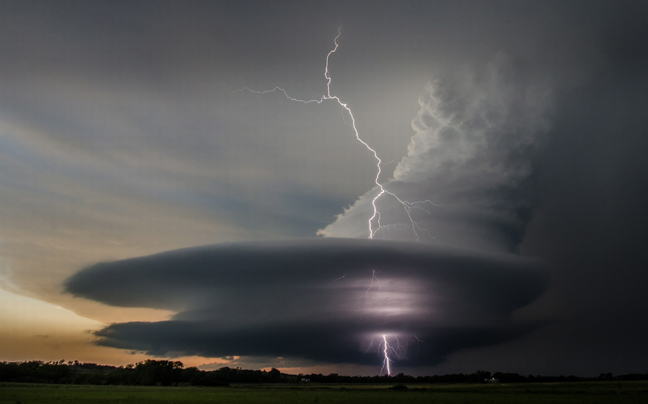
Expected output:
(374, 281)
(374, 222)
(386, 364)
(384, 345)
(388, 350)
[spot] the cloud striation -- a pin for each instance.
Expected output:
(315, 299)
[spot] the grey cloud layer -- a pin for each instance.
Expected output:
(313, 299)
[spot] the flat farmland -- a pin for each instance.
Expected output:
(557, 393)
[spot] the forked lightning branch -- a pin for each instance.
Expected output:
(374, 221)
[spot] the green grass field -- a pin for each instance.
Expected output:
(583, 392)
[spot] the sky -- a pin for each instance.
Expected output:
(294, 184)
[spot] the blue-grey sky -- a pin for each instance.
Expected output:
(518, 126)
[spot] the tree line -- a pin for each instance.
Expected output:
(166, 373)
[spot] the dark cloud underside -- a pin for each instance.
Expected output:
(321, 299)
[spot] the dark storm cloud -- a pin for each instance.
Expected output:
(314, 299)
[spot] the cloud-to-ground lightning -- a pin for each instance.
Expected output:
(374, 222)
(386, 348)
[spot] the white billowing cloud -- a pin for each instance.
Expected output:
(467, 163)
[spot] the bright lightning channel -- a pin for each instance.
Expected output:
(386, 347)
(374, 224)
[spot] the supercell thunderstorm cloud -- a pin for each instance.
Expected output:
(441, 278)
(312, 299)
(366, 187)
